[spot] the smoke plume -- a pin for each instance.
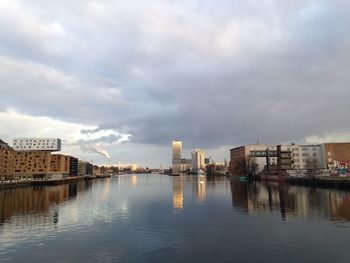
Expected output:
(94, 149)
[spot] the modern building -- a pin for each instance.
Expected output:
(337, 153)
(198, 160)
(177, 164)
(85, 168)
(6, 161)
(34, 164)
(59, 165)
(81, 168)
(36, 144)
(73, 166)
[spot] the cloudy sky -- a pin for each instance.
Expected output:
(130, 76)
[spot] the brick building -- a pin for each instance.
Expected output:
(337, 152)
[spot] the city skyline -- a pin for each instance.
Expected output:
(130, 77)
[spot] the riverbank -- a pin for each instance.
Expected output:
(333, 182)
(50, 182)
(324, 181)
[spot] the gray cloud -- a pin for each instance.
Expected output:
(212, 74)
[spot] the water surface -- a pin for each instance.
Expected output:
(157, 218)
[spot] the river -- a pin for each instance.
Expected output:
(158, 218)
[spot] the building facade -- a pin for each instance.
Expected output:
(6, 161)
(73, 166)
(337, 153)
(34, 164)
(176, 158)
(303, 154)
(60, 164)
(36, 144)
(198, 160)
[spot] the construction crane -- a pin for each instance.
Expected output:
(211, 159)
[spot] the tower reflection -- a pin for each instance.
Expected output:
(178, 193)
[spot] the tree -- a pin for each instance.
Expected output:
(248, 167)
(312, 166)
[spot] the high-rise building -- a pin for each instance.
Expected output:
(176, 160)
(198, 160)
(177, 149)
(36, 144)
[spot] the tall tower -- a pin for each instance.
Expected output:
(176, 161)
(177, 149)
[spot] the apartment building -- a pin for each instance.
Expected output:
(6, 161)
(32, 163)
(60, 164)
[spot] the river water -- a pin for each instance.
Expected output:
(157, 218)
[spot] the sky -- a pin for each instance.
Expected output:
(130, 76)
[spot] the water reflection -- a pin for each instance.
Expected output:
(178, 193)
(144, 218)
(290, 201)
(200, 188)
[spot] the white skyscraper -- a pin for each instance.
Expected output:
(198, 160)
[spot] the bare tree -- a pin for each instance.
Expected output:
(248, 167)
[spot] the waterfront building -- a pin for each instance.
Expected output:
(186, 165)
(6, 161)
(34, 164)
(85, 168)
(198, 160)
(337, 153)
(97, 171)
(239, 157)
(36, 144)
(73, 166)
(177, 164)
(59, 165)
(302, 154)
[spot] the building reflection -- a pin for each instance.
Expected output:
(133, 180)
(178, 200)
(290, 201)
(199, 187)
(37, 200)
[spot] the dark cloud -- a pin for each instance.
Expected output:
(212, 74)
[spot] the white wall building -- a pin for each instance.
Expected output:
(198, 160)
(36, 144)
(302, 153)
